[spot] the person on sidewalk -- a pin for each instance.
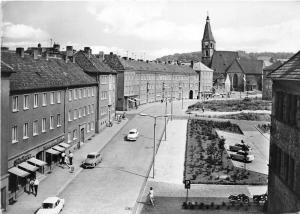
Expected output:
(151, 196)
(71, 158)
(31, 183)
(36, 186)
(63, 156)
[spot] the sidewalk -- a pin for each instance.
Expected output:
(53, 184)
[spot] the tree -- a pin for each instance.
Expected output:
(221, 146)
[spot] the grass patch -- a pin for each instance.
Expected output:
(208, 162)
(247, 116)
(232, 105)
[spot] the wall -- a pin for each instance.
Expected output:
(266, 86)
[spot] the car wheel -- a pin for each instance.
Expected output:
(94, 165)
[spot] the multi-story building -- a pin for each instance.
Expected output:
(105, 77)
(284, 163)
(267, 82)
(42, 113)
(205, 79)
(140, 82)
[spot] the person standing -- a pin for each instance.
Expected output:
(31, 183)
(63, 156)
(71, 158)
(36, 186)
(151, 196)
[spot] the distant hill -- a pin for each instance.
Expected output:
(196, 56)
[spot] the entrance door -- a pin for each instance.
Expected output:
(191, 94)
(82, 135)
(3, 198)
(235, 82)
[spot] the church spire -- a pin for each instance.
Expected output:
(208, 44)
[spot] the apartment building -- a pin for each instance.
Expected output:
(284, 163)
(205, 79)
(38, 113)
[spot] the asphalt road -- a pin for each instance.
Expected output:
(114, 185)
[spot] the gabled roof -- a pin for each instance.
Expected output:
(199, 66)
(221, 60)
(5, 68)
(207, 35)
(43, 74)
(118, 63)
(92, 64)
(251, 66)
(290, 70)
(273, 66)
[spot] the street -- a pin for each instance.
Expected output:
(115, 183)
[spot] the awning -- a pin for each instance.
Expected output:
(36, 162)
(65, 145)
(52, 151)
(58, 148)
(18, 172)
(28, 166)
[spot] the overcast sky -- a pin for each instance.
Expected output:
(152, 29)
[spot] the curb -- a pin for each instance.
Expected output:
(78, 171)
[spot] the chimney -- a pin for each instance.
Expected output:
(101, 55)
(88, 51)
(35, 54)
(192, 64)
(56, 47)
(111, 53)
(20, 52)
(69, 51)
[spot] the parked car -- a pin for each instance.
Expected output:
(52, 205)
(133, 134)
(242, 156)
(92, 159)
(237, 147)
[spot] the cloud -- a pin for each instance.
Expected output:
(23, 32)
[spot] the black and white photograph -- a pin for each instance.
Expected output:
(150, 107)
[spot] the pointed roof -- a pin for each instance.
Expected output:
(208, 36)
(199, 66)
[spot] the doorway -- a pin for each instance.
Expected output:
(82, 135)
(191, 95)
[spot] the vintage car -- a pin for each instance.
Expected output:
(242, 156)
(52, 205)
(92, 159)
(132, 135)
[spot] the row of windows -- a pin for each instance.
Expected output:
(104, 79)
(81, 112)
(35, 128)
(283, 165)
(54, 97)
(286, 106)
(104, 95)
(74, 135)
(79, 93)
(132, 76)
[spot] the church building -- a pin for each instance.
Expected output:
(243, 73)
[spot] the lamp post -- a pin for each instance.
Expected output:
(109, 114)
(154, 150)
(180, 87)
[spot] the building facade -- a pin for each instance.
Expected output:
(267, 82)
(205, 79)
(284, 163)
(39, 111)
(141, 82)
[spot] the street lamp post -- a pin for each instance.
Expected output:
(154, 149)
(180, 87)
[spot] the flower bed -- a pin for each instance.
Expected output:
(206, 160)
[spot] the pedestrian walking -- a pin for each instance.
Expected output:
(31, 183)
(36, 186)
(71, 158)
(151, 196)
(63, 156)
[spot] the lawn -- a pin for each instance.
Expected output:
(207, 162)
(247, 116)
(232, 105)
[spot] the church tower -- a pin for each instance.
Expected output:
(208, 44)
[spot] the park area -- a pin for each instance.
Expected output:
(206, 159)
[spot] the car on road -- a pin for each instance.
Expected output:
(92, 159)
(242, 156)
(132, 135)
(237, 147)
(51, 205)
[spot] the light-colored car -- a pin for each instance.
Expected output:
(242, 156)
(133, 134)
(92, 159)
(52, 205)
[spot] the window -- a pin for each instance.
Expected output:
(79, 93)
(36, 101)
(58, 97)
(93, 93)
(75, 134)
(88, 127)
(35, 128)
(92, 109)
(51, 122)
(25, 131)
(51, 97)
(44, 125)
(26, 102)
(88, 92)
(70, 115)
(84, 92)
(92, 126)
(14, 134)
(58, 120)
(69, 137)
(70, 95)
(88, 110)
(84, 111)
(79, 113)
(75, 114)
(75, 94)
(15, 104)
(44, 99)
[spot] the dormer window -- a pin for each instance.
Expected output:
(211, 45)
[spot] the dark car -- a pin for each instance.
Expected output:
(92, 160)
